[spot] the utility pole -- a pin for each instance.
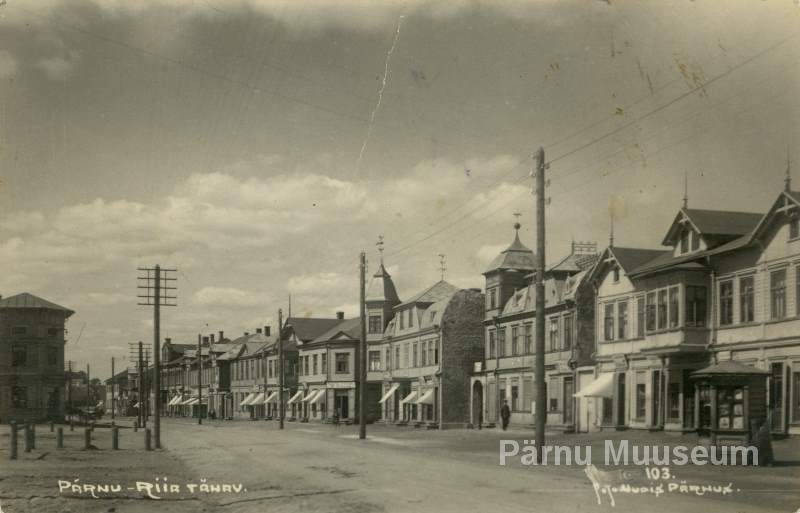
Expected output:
(199, 379)
(113, 387)
(141, 385)
(540, 263)
(280, 365)
(69, 385)
(362, 357)
(157, 294)
(88, 388)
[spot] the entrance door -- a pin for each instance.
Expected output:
(569, 401)
(342, 404)
(621, 399)
(585, 404)
(655, 414)
(776, 397)
(477, 404)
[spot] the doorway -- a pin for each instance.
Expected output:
(621, 399)
(569, 401)
(342, 403)
(776, 395)
(477, 404)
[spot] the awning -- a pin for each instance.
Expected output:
(99, 405)
(320, 395)
(272, 398)
(187, 401)
(603, 386)
(427, 398)
(295, 397)
(410, 397)
(390, 393)
(247, 400)
(175, 400)
(259, 399)
(310, 396)
(728, 368)
(136, 405)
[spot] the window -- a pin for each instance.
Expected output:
(553, 396)
(514, 341)
(423, 354)
(19, 356)
(501, 342)
(662, 309)
(374, 360)
(397, 359)
(674, 307)
(777, 289)
(19, 330)
(305, 365)
(641, 400)
(651, 311)
(640, 317)
(375, 324)
(410, 317)
(794, 228)
(529, 338)
(342, 363)
(19, 397)
(414, 360)
(695, 241)
(674, 401)
(616, 274)
(622, 320)
(270, 368)
(402, 321)
(492, 345)
(492, 298)
(388, 358)
(554, 334)
(726, 303)
(324, 363)
(436, 352)
(527, 393)
(796, 396)
(314, 368)
(52, 356)
(695, 306)
(53, 332)
(568, 332)
(746, 299)
(609, 321)
(685, 241)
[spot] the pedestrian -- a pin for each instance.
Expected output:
(505, 414)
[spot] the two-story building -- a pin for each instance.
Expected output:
(31, 358)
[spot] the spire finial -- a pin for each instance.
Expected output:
(517, 226)
(442, 266)
(787, 182)
(380, 246)
(685, 189)
(611, 232)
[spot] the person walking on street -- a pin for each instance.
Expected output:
(505, 414)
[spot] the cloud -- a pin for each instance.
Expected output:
(58, 68)
(228, 297)
(8, 65)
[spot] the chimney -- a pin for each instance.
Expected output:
(205, 341)
(266, 330)
(167, 340)
(340, 315)
(212, 338)
(246, 333)
(258, 330)
(221, 338)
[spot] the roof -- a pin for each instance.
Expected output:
(349, 327)
(524, 300)
(575, 262)
(308, 328)
(714, 223)
(670, 261)
(729, 368)
(436, 292)
(26, 300)
(632, 258)
(516, 256)
(381, 287)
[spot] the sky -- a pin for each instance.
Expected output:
(259, 145)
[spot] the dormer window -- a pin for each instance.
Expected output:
(616, 274)
(410, 317)
(685, 241)
(794, 227)
(695, 241)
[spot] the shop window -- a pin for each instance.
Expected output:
(607, 411)
(746, 299)
(730, 408)
(674, 401)
(777, 287)
(641, 400)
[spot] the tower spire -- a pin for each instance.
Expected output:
(611, 232)
(442, 266)
(517, 226)
(787, 181)
(685, 189)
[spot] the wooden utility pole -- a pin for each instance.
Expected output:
(140, 411)
(199, 379)
(88, 388)
(113, 393)
(69, 387)
(540, 305)
(280, 367)
(362, 354)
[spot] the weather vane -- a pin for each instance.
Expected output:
(380, 246)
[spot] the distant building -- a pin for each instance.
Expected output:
(31, 358)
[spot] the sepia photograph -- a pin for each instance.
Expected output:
(399, 256)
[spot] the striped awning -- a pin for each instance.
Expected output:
(247, 400)
(427, 398)
(272, 398)
(259, 399)
(175, 400)
(410, 397)
(295, 397)
(390, 393)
